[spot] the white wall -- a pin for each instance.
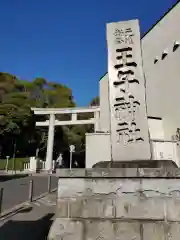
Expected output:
(163, 78)
(165, 151)
(98, 148)
(156, 128)
(104, 104)
(161, 150)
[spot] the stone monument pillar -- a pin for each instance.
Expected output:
(129, 125)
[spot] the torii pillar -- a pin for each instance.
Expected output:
(50, 143)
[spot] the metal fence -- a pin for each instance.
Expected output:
(19, 191)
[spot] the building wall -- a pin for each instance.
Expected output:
(155, 128)
(98, 148)
(104, 104)
(141, 204)
(163, 77)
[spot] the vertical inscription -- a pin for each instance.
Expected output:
(126, 103)
(127, 91)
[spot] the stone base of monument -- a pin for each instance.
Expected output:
(136, 164)
(117, 203)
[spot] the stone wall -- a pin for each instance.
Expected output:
(127, 204)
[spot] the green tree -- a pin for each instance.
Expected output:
(95, 101)
(17, 122)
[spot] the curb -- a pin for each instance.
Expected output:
(44, 194)
(13, 211)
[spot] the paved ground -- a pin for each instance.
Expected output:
(17, 191)
(32, 223)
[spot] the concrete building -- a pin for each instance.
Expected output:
(161, 58)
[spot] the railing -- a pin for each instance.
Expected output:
(41, 166)
(13, 193)
(26, 166)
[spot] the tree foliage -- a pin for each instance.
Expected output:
(95, 101)
(17, 122)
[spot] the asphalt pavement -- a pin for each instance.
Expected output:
(31, 223)
(16, 191)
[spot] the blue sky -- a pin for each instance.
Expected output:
(65, 40)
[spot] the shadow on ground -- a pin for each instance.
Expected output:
(29, 230)
(25, 210)
(5, 177)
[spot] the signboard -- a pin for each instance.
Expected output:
(72, 148)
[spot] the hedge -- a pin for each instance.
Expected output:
(19, 162)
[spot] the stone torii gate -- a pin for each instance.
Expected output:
(52, 122)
